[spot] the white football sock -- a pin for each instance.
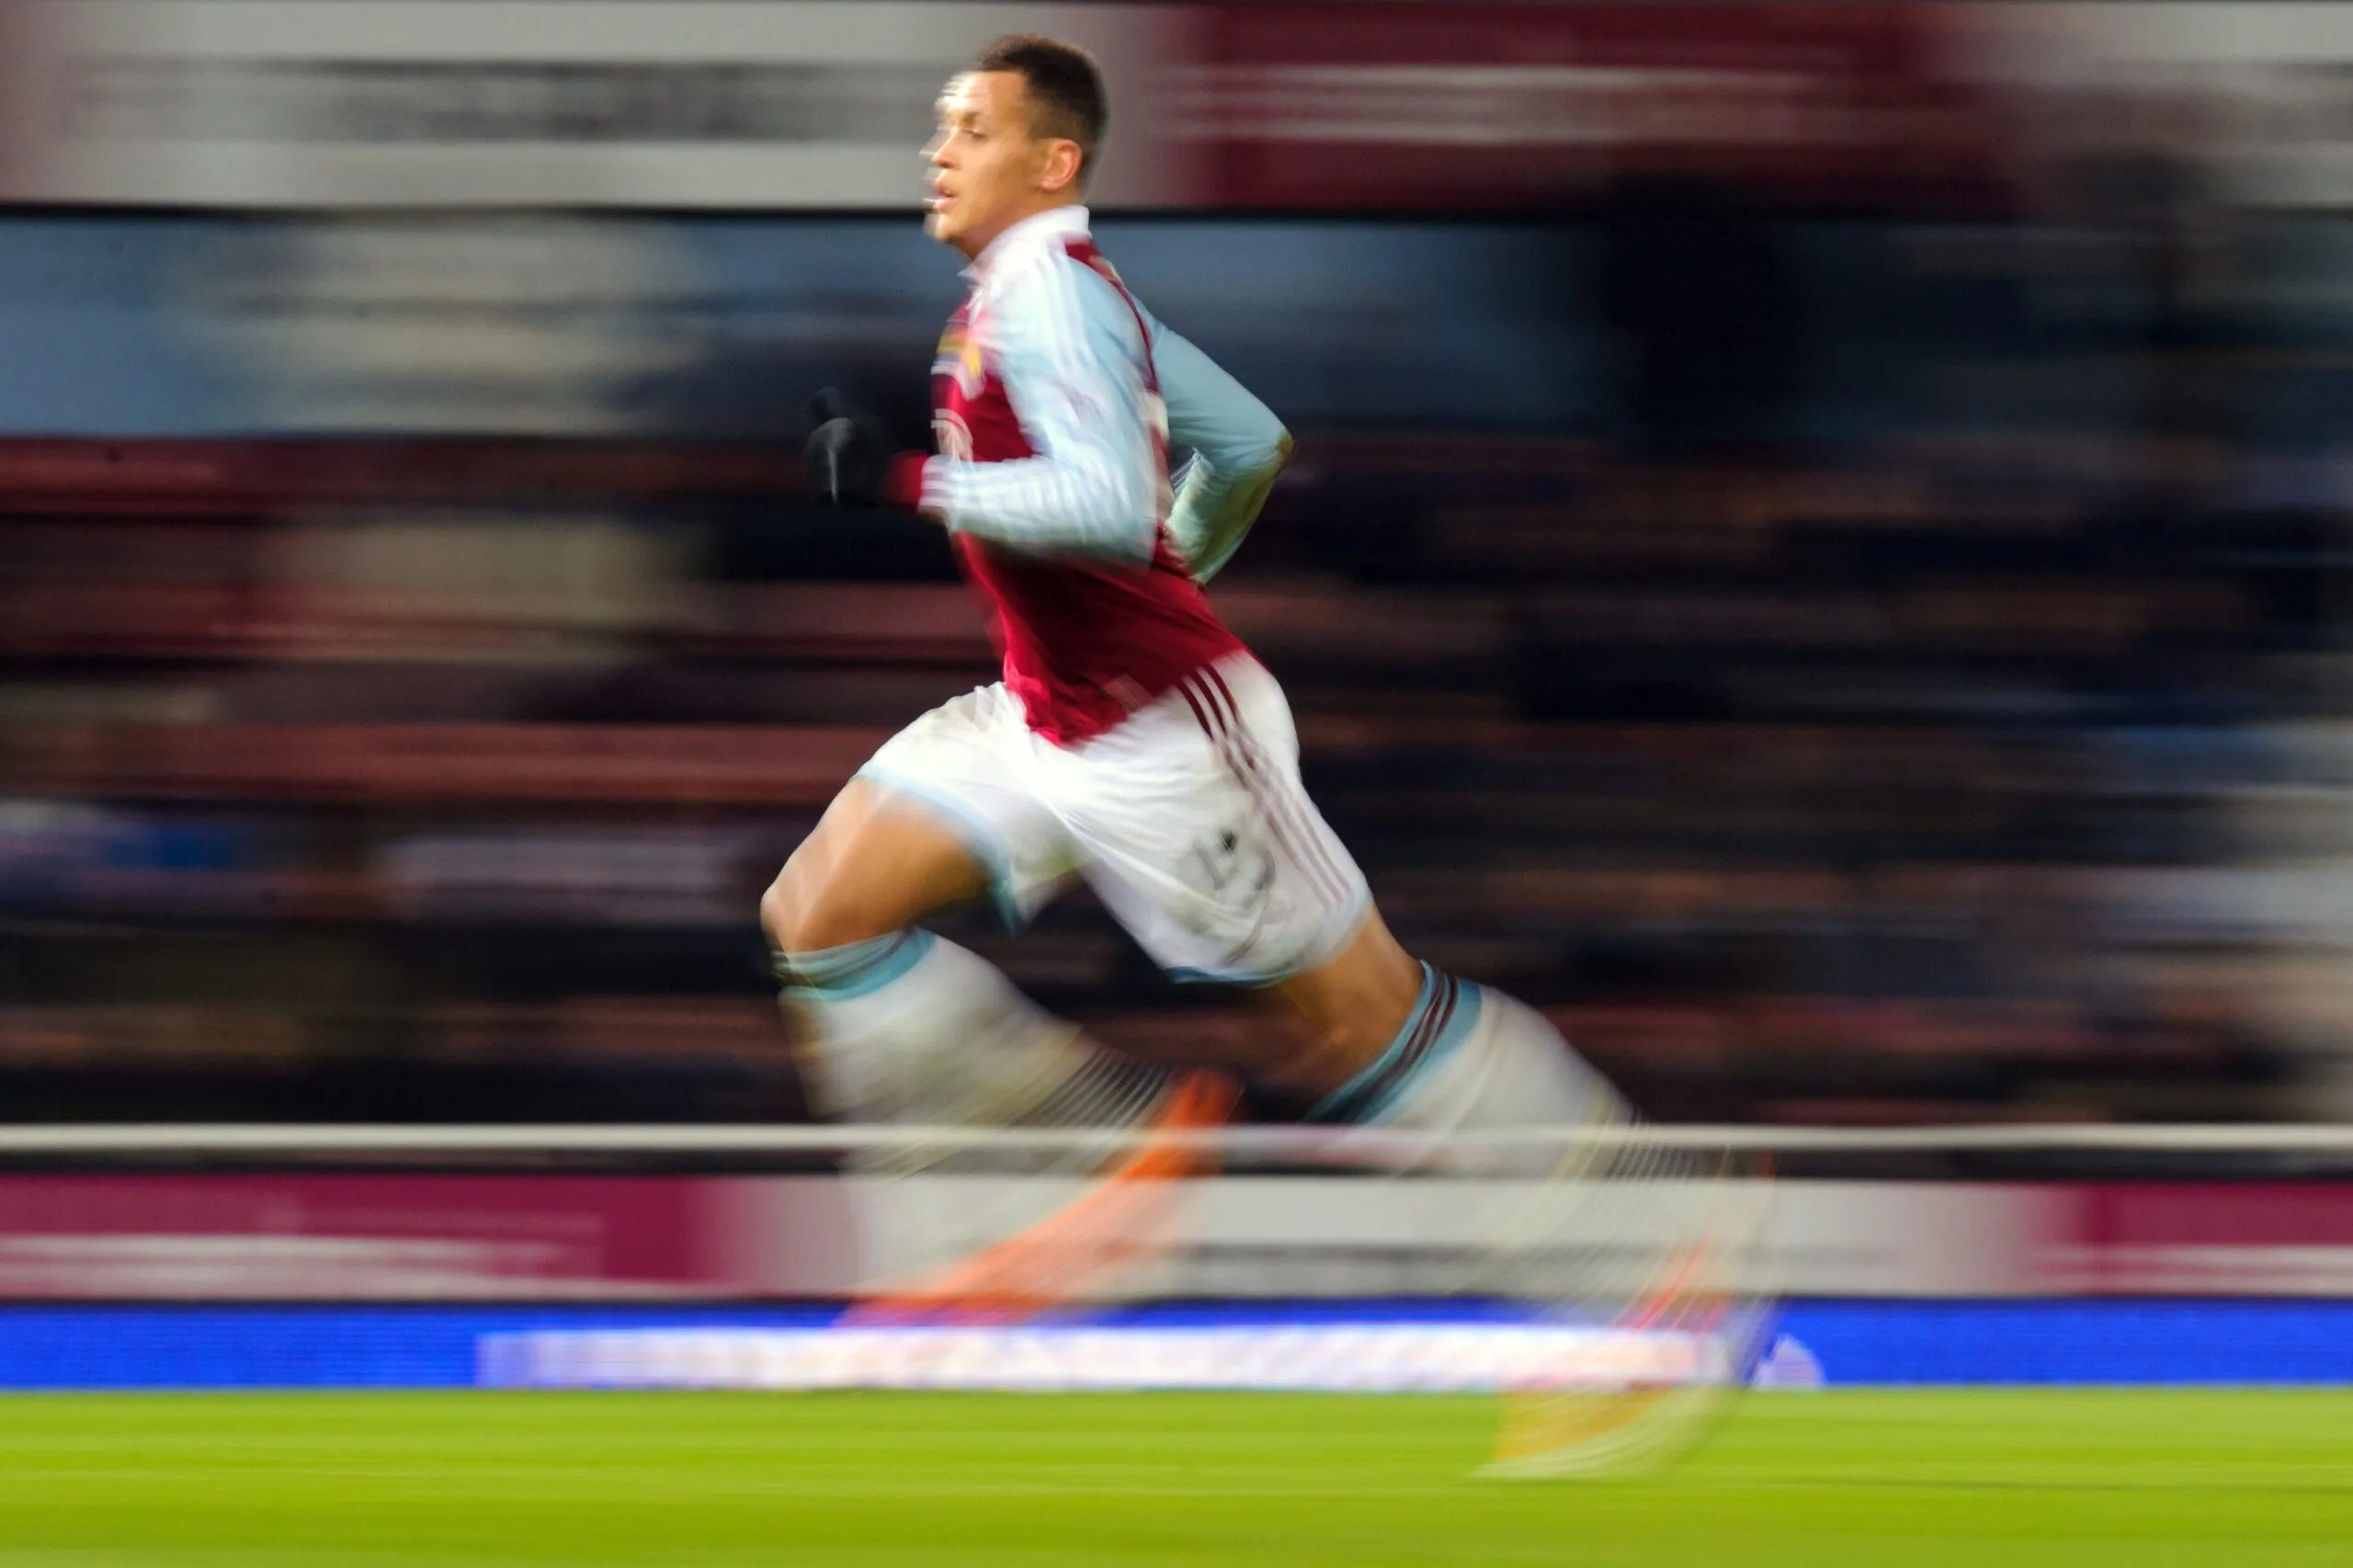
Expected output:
(1470, 1056)
(912, 1028)
(1511, 1069)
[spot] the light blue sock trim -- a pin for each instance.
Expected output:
(853, 968)
(1380, 1063)
(1467, 1002)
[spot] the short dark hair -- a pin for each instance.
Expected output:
(1063, 88)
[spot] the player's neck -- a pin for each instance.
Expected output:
(974, 253)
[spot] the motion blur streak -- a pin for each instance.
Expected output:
(1819, 569)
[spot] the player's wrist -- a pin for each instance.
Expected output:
(904, 482)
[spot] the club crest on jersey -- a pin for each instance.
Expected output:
(960, 355)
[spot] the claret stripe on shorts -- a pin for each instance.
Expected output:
(1315, 858)
(1297, 841)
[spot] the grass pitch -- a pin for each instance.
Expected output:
(2149, 1479)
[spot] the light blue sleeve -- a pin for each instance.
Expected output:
(1066, 348)
(1238, 449)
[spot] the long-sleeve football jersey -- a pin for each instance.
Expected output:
(1055, 396)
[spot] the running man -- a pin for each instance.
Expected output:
(1133, 741)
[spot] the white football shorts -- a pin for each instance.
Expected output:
(1187, 820)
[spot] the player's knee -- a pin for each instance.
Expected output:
(780, 914)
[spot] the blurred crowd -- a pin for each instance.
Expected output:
(1849, 662)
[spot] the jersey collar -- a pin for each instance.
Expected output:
(1053, 225)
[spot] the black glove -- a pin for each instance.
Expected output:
(847, 457)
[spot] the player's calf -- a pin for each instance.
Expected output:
(912, 1028)
(1400, 1043)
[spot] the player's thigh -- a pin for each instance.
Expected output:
(943, 813)
(1202, 842)
(874, 864)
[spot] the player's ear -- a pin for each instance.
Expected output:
(1058, 173)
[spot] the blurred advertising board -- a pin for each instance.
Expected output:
(1508, 106)
(561, 1237)
(684, 104)
(730, 103)
(2263, 90)
(781, 104)
(417, 1237)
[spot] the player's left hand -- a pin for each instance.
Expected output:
(847, 457)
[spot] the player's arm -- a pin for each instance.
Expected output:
(1238, 449)
(1068, 355)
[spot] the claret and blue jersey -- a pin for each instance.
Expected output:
(1055, 396)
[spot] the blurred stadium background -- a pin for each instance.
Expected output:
(1817, 554)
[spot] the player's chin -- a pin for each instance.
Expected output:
(940, 226)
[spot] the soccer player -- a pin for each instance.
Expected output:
(1133, 741)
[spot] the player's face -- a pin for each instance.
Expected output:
(987, 171)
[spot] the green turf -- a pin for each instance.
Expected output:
(1890, 1480)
